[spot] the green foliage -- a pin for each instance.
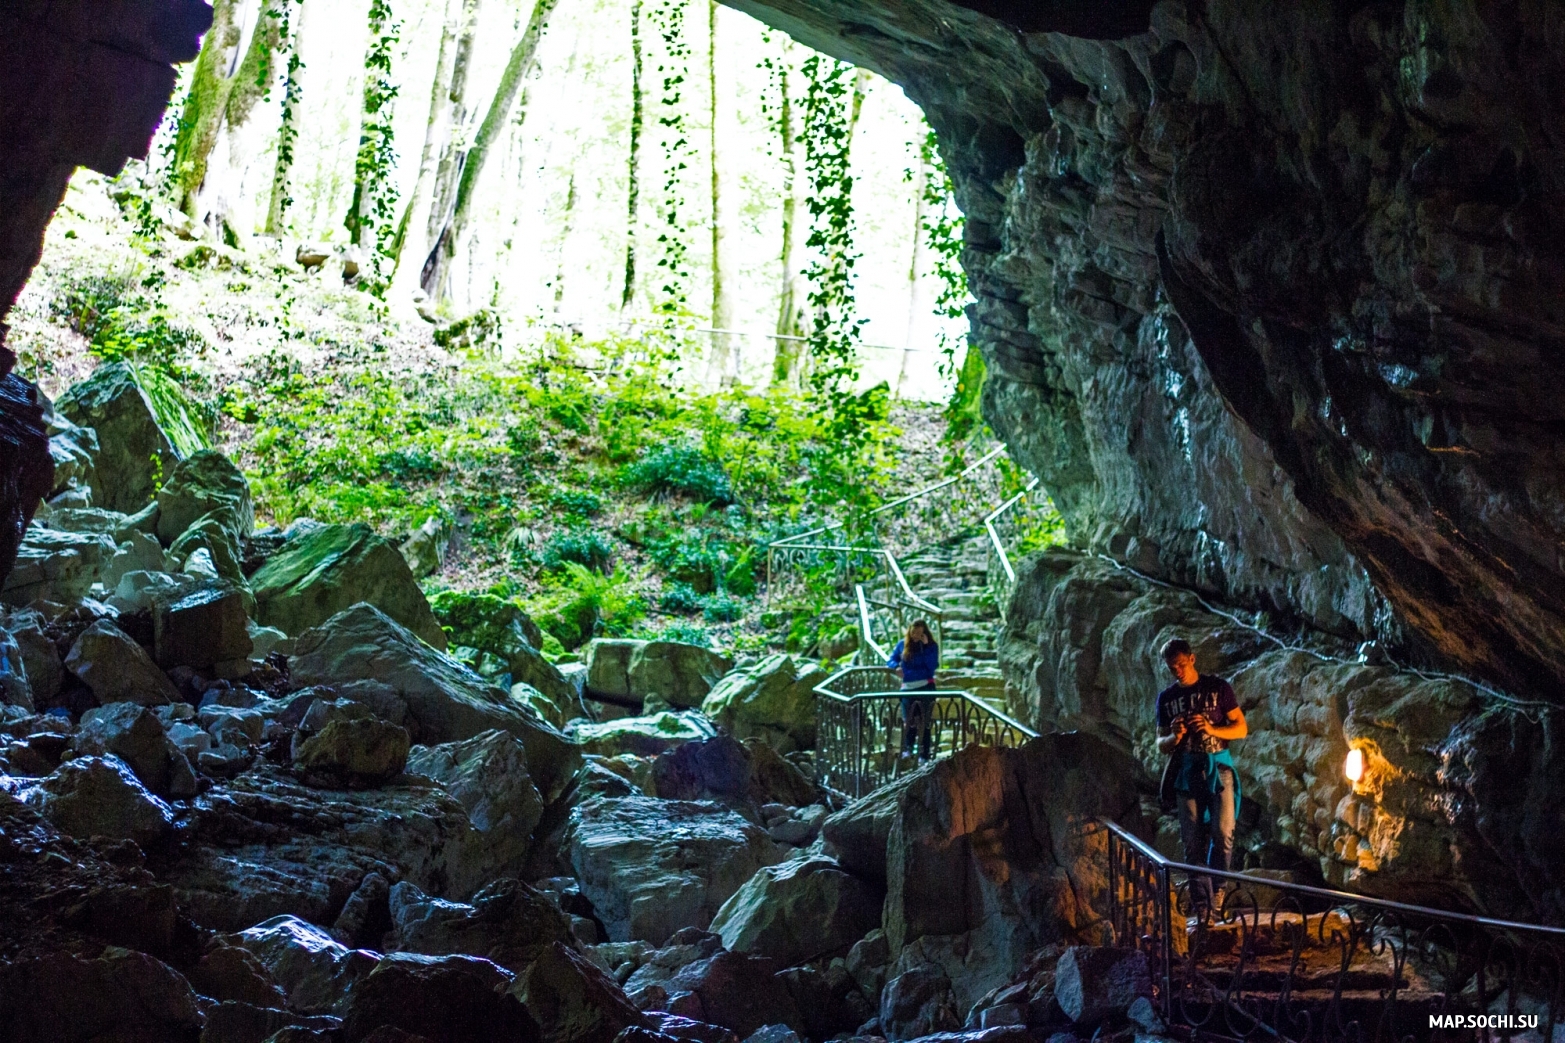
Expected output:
(576, 503)
(835, 329)
(478, 331)
(682, 469)
(962, 413)
(686, 633)
(721, 608)
(581, 603)
(372, 217)
(681, 598)
(678, 152)
(943, 226)
(482, 621)
(587, 548)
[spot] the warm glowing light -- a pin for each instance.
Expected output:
(1355, 765)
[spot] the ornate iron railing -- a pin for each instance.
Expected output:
(1288, 962)
(860, 728)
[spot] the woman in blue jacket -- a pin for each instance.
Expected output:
(916, 658)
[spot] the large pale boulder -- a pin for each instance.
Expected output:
(642, 736)
(442, 700)
(56, 566)
(40, 657)
(135, 735)
(357, 752)
(206, 482)
(676, 673)
(488, 774)
(313, 968)
(72, 448)
(330, 569)
(651, 867)
(101, 796)
(1004, 838)
(799, 910)
(608, 667)
(202, 628)
(773, 699)
(133, 449)
(105, 659)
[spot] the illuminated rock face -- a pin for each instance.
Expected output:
(1269, 293)
(1452, 809)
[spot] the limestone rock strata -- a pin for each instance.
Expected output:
(1268, 293)
(1451, 811)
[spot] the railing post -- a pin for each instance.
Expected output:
(1163, 919)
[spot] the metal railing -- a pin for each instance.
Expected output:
(860, 729)
(1288, 962)
(1002, 574)
(888, 593)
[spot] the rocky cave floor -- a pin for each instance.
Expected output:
(245, 796)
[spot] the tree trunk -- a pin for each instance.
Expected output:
(724, 347)
(434, 126)
(288, 128)
(912, 270)
(565, 239)
(637, 114)
(437, 271)
(210, 85)
(785, 359)
(367, 214)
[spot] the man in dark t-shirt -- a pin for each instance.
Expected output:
(1197, 717)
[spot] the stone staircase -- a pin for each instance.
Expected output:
(954, 574)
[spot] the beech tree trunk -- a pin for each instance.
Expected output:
(637, 115)
(437, 270)
(725, 348)
(288, 129)
(912, 270)
(786, 355)
(211, 83)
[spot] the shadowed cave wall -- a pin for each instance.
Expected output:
(1270, 298)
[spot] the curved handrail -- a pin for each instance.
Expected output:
(824, 688)
(864, 628)
(994, 535)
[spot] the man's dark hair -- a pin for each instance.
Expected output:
(1175, 647)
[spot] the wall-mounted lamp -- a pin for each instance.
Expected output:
(1354, 768)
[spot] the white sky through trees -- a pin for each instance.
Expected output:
(534, 249)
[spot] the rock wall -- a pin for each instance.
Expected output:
(1268, 292)
(82, 83)
(1453, 808)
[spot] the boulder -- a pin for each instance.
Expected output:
(40, 658)
(105, 659)
(101, 796)
(651, 867)
(204, 483)
(135, 735)
(323, 573)
(557, 713)
(138, 552)
(15, 690)
(56, 566)
(72, 448)
(645, 985)
(444, 999)
(917, 1003)
(608, 668)
(997, 833)
(643, 736)
(94, 520)
(133, 449)
(425, 550)
(711, 769)
(678, 674)
(488, 775)
(358, 752)
(314, 970)
(200, 629)
(508, 922)
(1097, 984)
(120, 996)
(828, 999)
(264, 844)
(773, 699)
(442, 700)
(231, 972)
(138, 592)
(573, 1000)
(210, 548)
(797, 911)
(235, 1021)
(856, 836)
(735, 990)
(776, 780)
